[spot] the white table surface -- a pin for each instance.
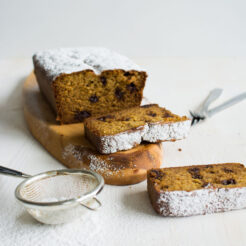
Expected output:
(127, 217)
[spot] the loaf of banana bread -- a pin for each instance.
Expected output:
(127, 128)
(84, 82)
(200, 189)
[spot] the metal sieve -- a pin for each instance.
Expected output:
(58, 196)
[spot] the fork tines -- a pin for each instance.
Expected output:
(196, 118)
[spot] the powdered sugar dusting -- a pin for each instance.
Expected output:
(68, 60)
(122, 141)
(96, 163)
(167, 132)
(149, 132)
(99, 165)
(71, 150)
(203, 201)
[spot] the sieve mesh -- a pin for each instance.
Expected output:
(59, 187)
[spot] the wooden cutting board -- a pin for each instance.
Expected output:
(68, 144)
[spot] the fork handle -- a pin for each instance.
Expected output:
(213, 95)
(12, 172)
(227, 104)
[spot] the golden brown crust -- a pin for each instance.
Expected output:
(68, 144)
(154, 195)
(45, 86)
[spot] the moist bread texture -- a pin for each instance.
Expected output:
(200, 189)
(83, 82)
(127, 128)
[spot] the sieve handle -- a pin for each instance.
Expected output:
(91, 208)
(12, 172)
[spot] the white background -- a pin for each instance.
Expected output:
(127, 217)
(137, 28)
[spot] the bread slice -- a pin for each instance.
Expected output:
(128, 128)
(200, 189)
(83, 82)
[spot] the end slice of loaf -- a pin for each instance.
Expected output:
(83, 82)
(127, 128)
(200, 189)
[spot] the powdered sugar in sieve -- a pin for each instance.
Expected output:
(59, 187)
(58, 196)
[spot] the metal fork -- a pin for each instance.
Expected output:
(203, 111)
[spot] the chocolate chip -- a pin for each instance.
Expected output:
(93, 99)
(165, 187)
(127, 74)
(212, 172)
(124, 119)
(154, 173)
(196, 176)
(194, 170)
(166, 115)
(179, 149)
(228, 181)
(195, 173)
(119, 93)
(227, 170)
(81, 115)
(103, 80)
(205, 184)
(152, 114)
(103, 118)
(131, 87)
(147, 105)
(157, 174)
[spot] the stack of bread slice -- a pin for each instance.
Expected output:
(103, 90)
